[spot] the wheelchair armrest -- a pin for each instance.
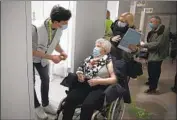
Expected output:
(67, 91)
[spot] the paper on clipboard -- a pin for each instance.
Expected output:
(131, 37)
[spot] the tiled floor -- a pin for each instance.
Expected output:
(163, 105)
(56, 92)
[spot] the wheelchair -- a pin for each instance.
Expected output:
(113, 111)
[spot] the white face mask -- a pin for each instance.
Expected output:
(121, 24)
(64, 27)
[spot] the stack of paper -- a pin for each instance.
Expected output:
(132, 37)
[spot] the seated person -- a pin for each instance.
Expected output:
(94, 76)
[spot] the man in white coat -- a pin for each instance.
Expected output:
(45, 39)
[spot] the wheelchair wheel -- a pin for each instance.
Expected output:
(116, 110)
(94, 116)
(77, 114)
(59, 110)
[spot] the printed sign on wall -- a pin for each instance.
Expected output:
(140, 3)
(148, 10)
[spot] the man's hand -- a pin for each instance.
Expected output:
(63, 56)
(142, 44)
(80, 77)
(93, 82)
(55, 58)
(116, 38)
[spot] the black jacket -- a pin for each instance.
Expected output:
(111, 93)
(120, 60)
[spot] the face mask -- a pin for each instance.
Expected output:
(64, 27)
(121, 24)
(152, 26)
(96, 52)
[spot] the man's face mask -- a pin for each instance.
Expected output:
(64, 27)
(96, 52)
(151, 25)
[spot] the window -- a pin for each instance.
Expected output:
(41, 11)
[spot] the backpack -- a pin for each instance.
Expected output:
(34, 27)
(173, 45)
(134, 69)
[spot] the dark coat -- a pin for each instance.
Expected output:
(111, 93)
(120, 60)
(158, 43)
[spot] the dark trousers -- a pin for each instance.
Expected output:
(175, 85)
(120, 69)
(44, 76)
(90, 98)
(154, 71)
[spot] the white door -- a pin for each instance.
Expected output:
(37, 14)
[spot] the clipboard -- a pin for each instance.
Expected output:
(131, 37)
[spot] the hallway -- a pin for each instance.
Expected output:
(161, 106)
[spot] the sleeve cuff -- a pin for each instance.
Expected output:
(145, 45)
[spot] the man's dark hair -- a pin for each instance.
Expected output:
(59, 13)
(157, 18)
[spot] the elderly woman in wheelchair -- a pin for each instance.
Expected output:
(91, 80)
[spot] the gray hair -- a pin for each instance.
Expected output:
(157, 18)
(105, 44)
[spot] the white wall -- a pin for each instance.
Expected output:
(16, 61)
(90, 19)
(113, 7)
(124, 6)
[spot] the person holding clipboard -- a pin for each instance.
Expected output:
(121, 58)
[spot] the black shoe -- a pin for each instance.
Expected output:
(146, 83)
(151, 91)
(174, 90)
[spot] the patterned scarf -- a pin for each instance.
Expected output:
(90, 70)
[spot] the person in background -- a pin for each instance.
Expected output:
(108, 22)
(174, 88)
(45, 39)
(120, 58)
(158, 50)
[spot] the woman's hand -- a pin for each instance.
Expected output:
(133, 48)
(93, 82)
(94, 61)
(116, 38)
(80, 77)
